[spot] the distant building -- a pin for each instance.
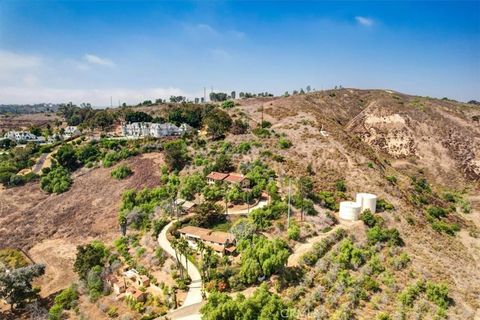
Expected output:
(216, 177)
(71, 131)
(23, 136)
(221, 242)
(154, 130)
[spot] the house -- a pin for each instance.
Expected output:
(154, 130)
(214, 177)
(234, 178)
(185, 206)
(136, 295)
(71, 131)
(23, 136)
(238, 178)
(142, 281)
(221, 242)
(117, 285)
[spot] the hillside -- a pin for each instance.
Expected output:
(376, 141)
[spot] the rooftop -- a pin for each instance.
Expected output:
(217, 176)
(207, 234)
(235, 177)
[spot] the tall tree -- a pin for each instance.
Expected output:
(16, 285)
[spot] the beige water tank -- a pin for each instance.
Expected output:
(349, 210)
(367, 201)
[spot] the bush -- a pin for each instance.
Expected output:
(378, 234)
(228, 104)
(392, 179)
(448, 228)
(436, 212)
(121, 172)
(56, 181)
(293, 231)
(261, 132)
(384, 205)
(438, 294)
(284, 143)
(340, 186)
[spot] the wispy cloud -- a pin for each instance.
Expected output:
(98, 97)
(364, 21)
(11, 61)
(93, 59)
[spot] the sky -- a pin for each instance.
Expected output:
(90, 51)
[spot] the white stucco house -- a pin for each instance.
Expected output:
(155, 130)
(24, 136)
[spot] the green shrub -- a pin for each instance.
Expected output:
(392, 179)
(121, 172)
(56, 181)
(438, 294)
(378, 234)
(228, 104)
(448, 228)
(55, 312)
(284, 143)
(261, 132)
(340, 186)
(293, 231)
(436, 212)
(384, 205)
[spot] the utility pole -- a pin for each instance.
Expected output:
(111, 102)
(289, 196)
(204, 94)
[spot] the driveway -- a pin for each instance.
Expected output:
(194, 295)
(262, 203)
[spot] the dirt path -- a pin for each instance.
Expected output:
(39, 165)
(262, 203)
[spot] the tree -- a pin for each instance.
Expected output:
(218, 96)
(176, 155)
(192, 185)
(89, 256)
(262, 305)
(56, 180)
(208, 214)
(218, 122)
(228, 104)
(309, 88)
(16, 285)
(243, 229)
(67, 157)
(137, 116)
(223, 163)
(233, 95)
(239, 127)
(261, 257)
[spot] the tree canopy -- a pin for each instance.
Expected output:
(16, 286)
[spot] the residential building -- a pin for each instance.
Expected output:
(185, 206)
(71, 131)
(234, 178)
(221, 242)
(154, 130)
(23, 136)
(214, 177)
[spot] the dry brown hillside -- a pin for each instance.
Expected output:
(373, 134)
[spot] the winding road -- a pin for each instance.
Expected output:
(191, 306)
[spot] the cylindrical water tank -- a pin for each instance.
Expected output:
(367, 201)
(349, 210)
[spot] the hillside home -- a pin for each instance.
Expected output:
(222, 242)
(154, 130)
(185, 206)
(216, 177)
(234, 178)
(71, 131)
(23, 136)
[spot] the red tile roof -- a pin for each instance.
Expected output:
(235, 177)
(208, 235)
(217, 176)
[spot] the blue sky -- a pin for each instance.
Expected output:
(87, 51)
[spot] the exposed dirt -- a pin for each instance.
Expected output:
(89, 209)
(25, 121)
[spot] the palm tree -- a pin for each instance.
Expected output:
(201, 248)
(208, 260)
(176, 247)
(185, 250)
